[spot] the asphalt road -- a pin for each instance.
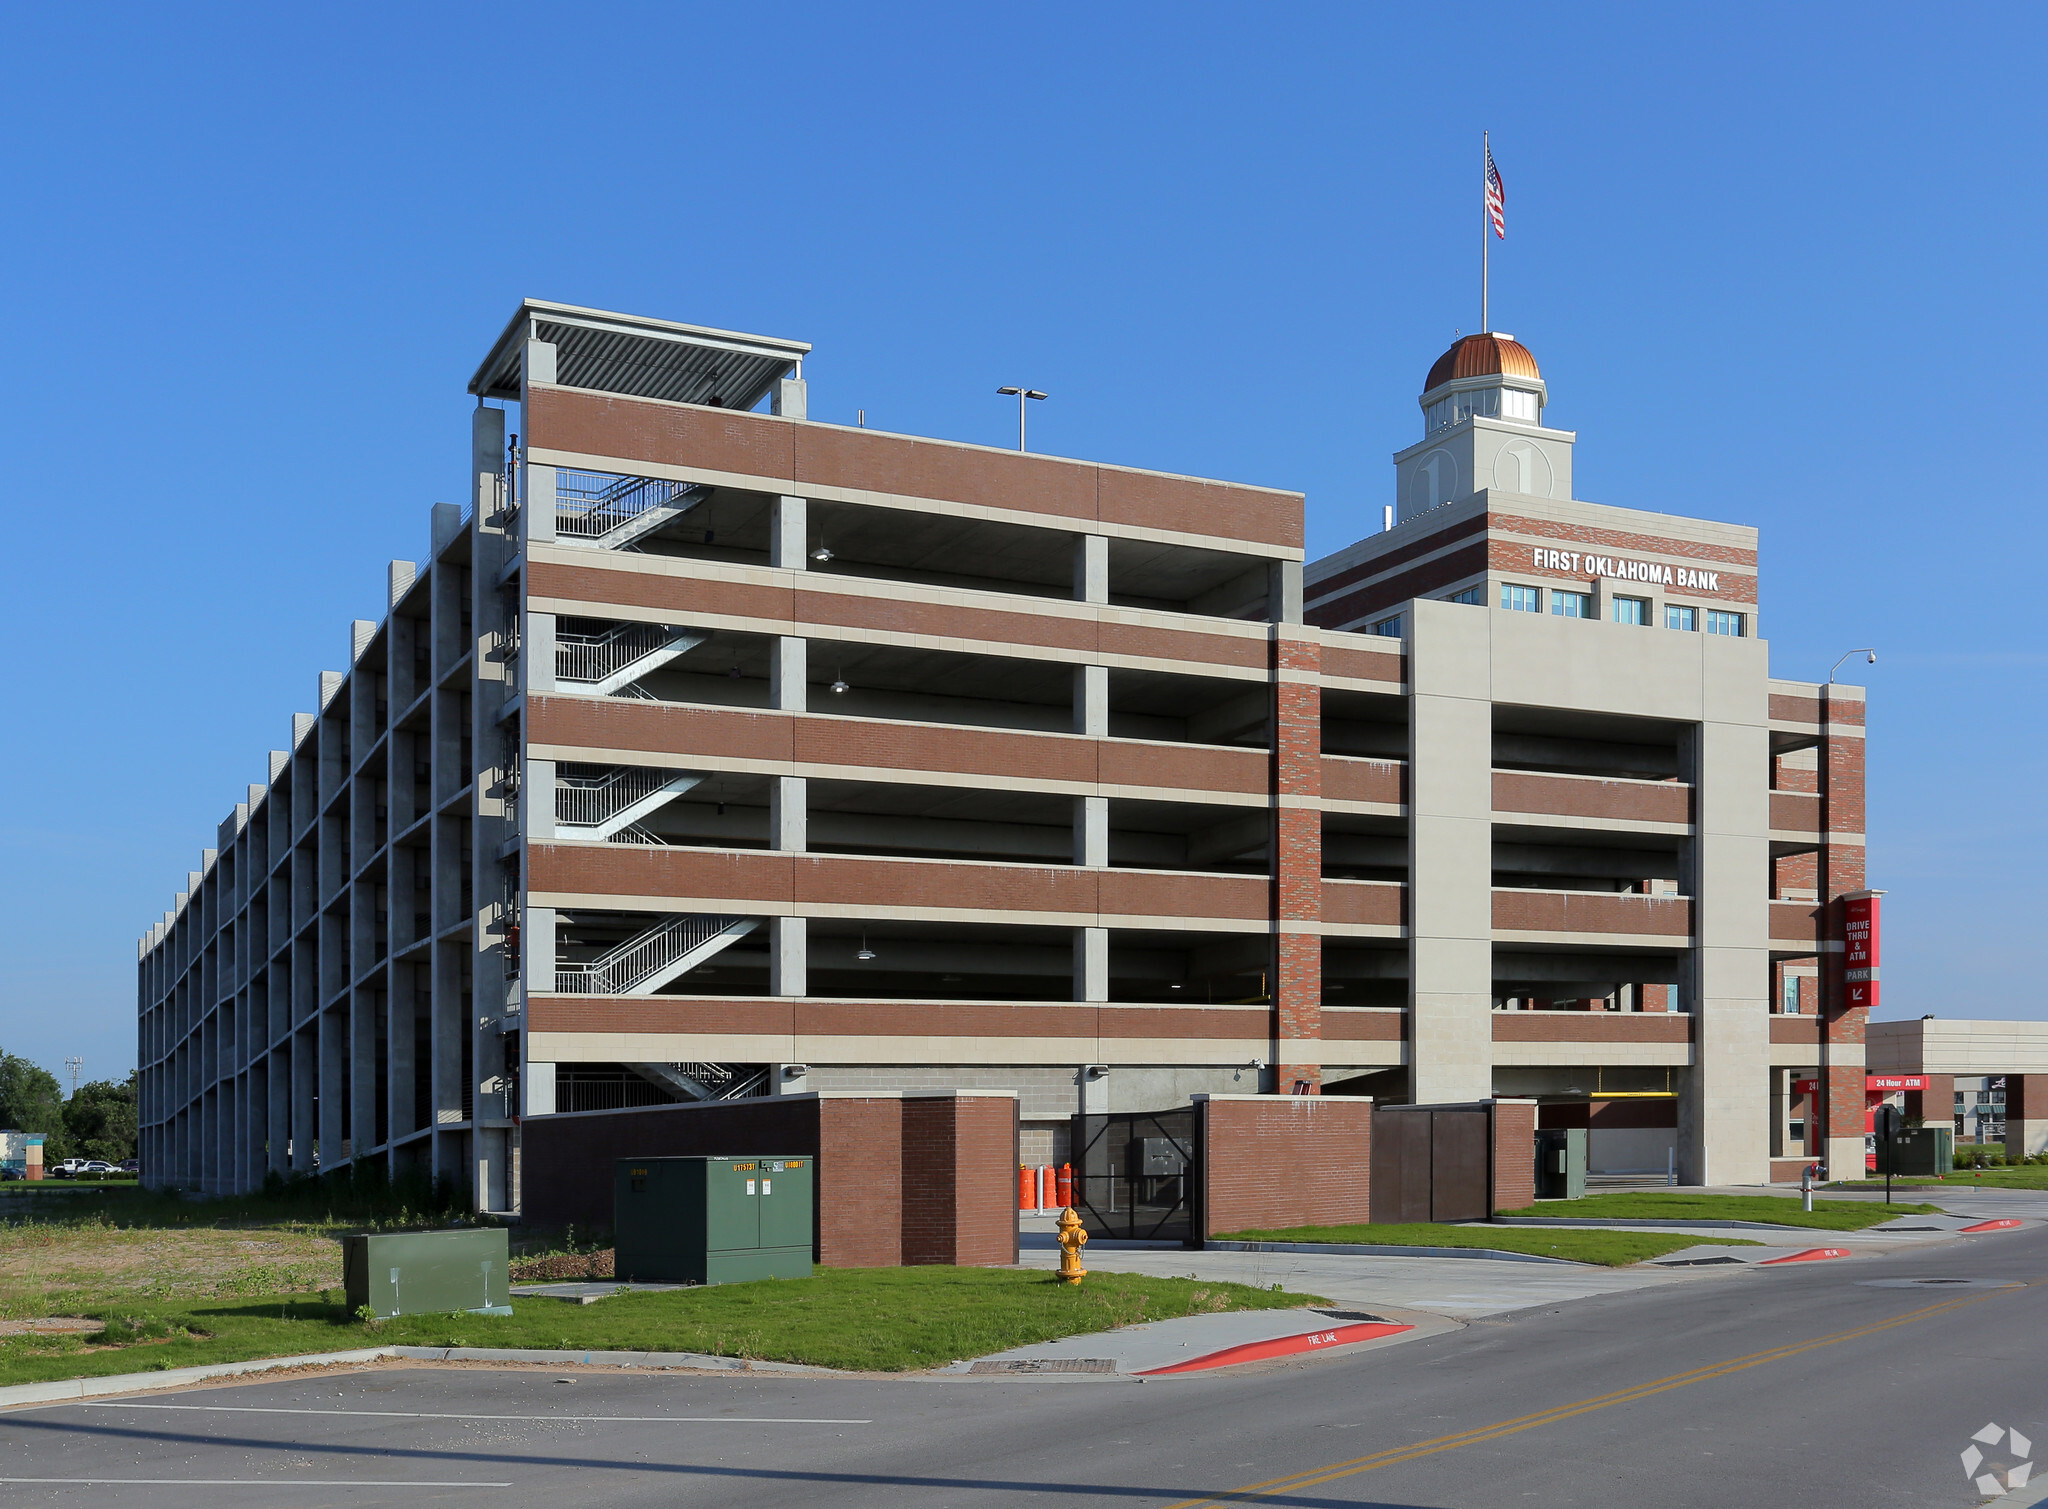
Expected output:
(1806, 1385)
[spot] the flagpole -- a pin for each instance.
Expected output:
(1485, 232)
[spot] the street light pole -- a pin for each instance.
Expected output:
(1020, 394)
(1850, 656)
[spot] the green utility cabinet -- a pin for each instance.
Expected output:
(712, 1220)
(1920, 1150)
(1561, 1163)
(428, 1273)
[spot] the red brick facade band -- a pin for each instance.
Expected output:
(713, 733)
(2026, 1099)
(814, 603)
(982, 1020)
(1399, 555)
(1624, 541)
(1277, 1162)
(1936, 1105)
(1297, 861)
(1576, 796)
(1591, 912)
(1419, 581)
(1591, 1027)
(1840, 870)
(868, 461)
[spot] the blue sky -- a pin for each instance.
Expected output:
(1779, 265)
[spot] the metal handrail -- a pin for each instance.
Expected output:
(590, 505)
(588, 801)
(593, 657)
(617, 972)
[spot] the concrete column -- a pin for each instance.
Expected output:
(305, 1079)
(1283, 592)
(1724, 1106)
(1450, 854)
(278, 1113)
(486, 459)
(789, 814)
(537, 950)
(1781, 1114)
(789, 1079)
(1091, 701)
(1091, 964)
(399, 1068)
(790, 398)
(1091, 830)
(2026, 1115)
(539, 1084)
(789, 674)
(537, 653)
(789, 534)
(1094, 1096)
(362, 1070)
(538, 516)
(789, 956)
(1091, 568)
(537, 801)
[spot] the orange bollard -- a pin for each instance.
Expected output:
(1024, 1190)
(1066, 1185)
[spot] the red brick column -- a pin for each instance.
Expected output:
(1935, 1105)
(1272, 1163)
(860, 1172)
(959, 1162)
(1840, 870)
(2026, 1114)
(1297, 858)
(1514, 1154)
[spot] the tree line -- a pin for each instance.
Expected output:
(98, 1121)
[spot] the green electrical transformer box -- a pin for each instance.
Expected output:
(712, 1220)
(428, 1272)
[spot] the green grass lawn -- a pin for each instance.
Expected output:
(873, 1319)
(1610, 1249)
(2021, 1176)
(1827, 1215)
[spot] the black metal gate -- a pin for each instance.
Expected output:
(1432, 1163)
(1137, 1175)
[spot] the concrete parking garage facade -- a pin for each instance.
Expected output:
(716, 753)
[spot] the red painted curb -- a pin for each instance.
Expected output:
(2005, 1223)
(1811, 1255)
(1282, 1346)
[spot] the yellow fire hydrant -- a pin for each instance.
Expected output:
(1072, 1240)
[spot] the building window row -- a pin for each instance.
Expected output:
(1515, 598)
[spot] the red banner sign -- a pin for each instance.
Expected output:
(1873, 1084)
(1860, 933)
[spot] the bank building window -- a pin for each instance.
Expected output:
(1724, 623)
(1389, 627)
(1676, 617)
(1631, 610)
(1518, 599)
(1472, 595)
(1571, 604)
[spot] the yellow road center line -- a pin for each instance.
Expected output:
(1394, 1454)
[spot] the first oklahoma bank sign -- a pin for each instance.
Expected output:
(1616, 569)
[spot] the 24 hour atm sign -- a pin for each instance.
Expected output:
(1620, 569)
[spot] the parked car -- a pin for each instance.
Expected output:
(70, 1168)
(129, 1165)
(96, 1168)
(9, 1173)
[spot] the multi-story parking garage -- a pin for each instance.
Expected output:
(716, 753)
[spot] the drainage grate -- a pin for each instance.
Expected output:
(1048, 1365)
(1699, 1262)
(1350, 1315)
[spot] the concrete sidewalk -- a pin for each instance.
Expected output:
(1174, 1343)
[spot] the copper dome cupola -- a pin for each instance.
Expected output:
(1491, 374)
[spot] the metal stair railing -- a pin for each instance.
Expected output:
(588, 801)
(598, 508)
(602, 658)
(643, 958)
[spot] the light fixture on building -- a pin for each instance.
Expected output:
(839, 683)
(1872, 654)
(865, 953)
(949, 979)
(821, 555)
(1020, 394)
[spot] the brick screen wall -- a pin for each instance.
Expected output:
(1514, 1154)
(869, 1213)
(1285, 1160)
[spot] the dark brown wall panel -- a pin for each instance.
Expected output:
(1591, 1027)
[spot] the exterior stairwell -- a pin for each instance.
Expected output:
(608, 663)
(643, 964)
(705, 1081)
(609, 801)
(596, 511)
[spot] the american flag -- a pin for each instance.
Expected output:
(1496, 198)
